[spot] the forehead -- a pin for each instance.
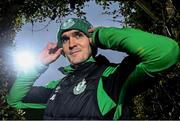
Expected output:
(69, 32)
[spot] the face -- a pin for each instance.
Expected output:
(76, 46)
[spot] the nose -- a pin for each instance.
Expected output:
(72, 42)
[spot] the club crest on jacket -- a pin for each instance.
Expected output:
(81, 86)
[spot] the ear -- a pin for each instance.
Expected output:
(91, 42)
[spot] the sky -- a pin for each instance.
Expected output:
(35, 41)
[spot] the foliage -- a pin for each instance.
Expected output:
(40, 10)
(6, 76)
(15, 114)
(162, 101)
(161, 17)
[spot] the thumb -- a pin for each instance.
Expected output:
(58, 52)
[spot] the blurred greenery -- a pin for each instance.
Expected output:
(162, 101)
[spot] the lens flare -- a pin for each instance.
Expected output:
(24, 60)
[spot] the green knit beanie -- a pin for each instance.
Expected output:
(73, 24)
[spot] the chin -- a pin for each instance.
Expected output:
(79, 58)
(77, 61)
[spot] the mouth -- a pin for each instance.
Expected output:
(74, 52)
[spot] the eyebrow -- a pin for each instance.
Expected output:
(77, 32)
(73, 33)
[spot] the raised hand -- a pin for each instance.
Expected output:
(49, 54)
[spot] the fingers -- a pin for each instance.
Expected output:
(51, 45)
(46, 58)
(59, 51)
(50, 53)
(53, 50)
(91, 30)
(56, 54)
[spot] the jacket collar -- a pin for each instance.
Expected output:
(71, 68)
(84, 66)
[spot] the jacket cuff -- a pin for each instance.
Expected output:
(41, 68)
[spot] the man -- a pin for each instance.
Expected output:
(93, 88)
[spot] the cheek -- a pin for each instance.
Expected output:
(90, 50)
(87, 50)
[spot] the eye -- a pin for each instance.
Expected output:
(78, 35)
(64, 39)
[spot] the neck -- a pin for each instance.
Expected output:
(90, 59)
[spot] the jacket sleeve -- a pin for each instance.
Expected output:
(155, 52)
(22, 92)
